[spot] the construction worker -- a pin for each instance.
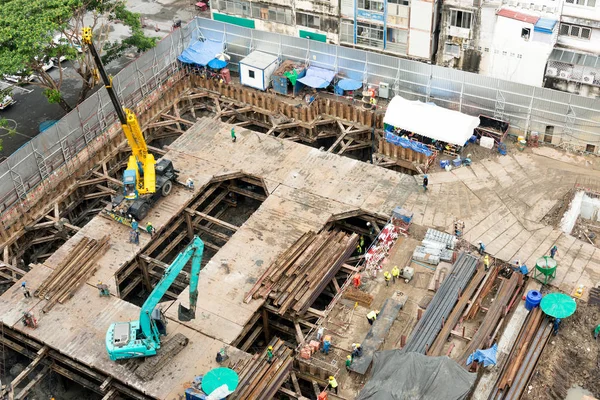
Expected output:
(332, 384)
(189, 183)
(269, 354)
(233, 137)
(556, 325)
(486, 262)
(372, 316)
(388, 277)
(597, 332)
(25, 290)
(104, 292)
(371, 229)
(150, 229)
(134, 224)
(481, 247)
(356, 350)
(348, 362)
(356, 281)
(359, 249)
(425, 182)
(326, 347)
(553, 251)
(395, 273)
(29, 320)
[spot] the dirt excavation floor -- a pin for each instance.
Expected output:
(572, 358)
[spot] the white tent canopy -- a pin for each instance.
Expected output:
(430, 121)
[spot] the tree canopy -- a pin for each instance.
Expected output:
(32, 32)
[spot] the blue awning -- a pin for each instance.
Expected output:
(349, 84)
(201, 53)
(317, 78)
(545, 25)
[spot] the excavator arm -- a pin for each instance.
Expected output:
(140, 176)
(194, 251)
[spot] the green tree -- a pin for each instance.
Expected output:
(35, 31)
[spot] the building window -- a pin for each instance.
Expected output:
(369, 34)
(251, 74)
(588, 3)
(272, 13)
(525, 33)
(308, 20)
(237, 7)
(576, 31)
(401, 2)
(548, 134)
(347, 32)
(461, 19)
(374, 5)
(452, 49)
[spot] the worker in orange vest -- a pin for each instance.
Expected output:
(356, 281)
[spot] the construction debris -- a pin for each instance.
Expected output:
(426, 330)
(357, 295)
(72, 272)
(295, 279)
(259, 379)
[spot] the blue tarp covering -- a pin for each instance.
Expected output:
(545, 25)
(349, 84)
(201, 53)
(215, 63)
(487, 357)
(318, 78)
(407, 144)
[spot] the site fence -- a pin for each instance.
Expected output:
(560, 118)
(32, 164)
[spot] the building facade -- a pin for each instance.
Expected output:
(574, 65)
(406, 28)
(311, 19)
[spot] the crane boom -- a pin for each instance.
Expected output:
(140, 176)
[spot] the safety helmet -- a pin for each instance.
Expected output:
(23, 284)
(425, 176)
(349, 357)
(480, 242)
(99, 282)
(331, 378)
(270, 348)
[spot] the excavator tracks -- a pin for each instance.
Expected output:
(168, 350)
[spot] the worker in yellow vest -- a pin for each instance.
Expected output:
(387, 276)
(395, 273)
(372, 316)
(333, 384)
(486, 262)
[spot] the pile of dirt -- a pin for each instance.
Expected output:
(570, 358)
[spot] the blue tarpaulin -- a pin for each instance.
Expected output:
(545, 25)
(349, 84)
(407, 144)
(487, 357)
(201, 53)
(215, 63)
(318, 78)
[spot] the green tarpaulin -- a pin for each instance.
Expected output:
(291, 75)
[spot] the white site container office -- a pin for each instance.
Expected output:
(256, 69)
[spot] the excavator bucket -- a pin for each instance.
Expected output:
(185, 314)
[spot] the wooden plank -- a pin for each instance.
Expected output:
(212, 219)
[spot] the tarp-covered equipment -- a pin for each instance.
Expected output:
(201, 52)
(486, 357)
(318, 78)
(407, 143)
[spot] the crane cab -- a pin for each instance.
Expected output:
(130, 185)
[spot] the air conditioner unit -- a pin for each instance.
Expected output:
(551, 71)
(589, 79)
(564, 74)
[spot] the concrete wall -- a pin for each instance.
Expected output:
(590, 208)
(421, 26)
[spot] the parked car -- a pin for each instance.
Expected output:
(19, 78)
(6, 101)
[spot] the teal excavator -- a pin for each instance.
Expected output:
(141, 338)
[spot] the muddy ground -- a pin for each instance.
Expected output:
(570, 358)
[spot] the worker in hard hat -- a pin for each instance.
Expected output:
(597, 332)
(486, 262)
(395, 273)
(326, 346)
(388, 277)
(372, 316)
(481, 247)
(150, 229)
(356, 350)
(25, 290)
(103, 289)
(348, 362)
(333, 384)
(356, 280)
(270, 354)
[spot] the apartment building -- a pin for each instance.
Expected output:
(311, 19)
(405, 28)
(574, 64)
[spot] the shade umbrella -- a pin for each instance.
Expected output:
(218, 377)
(215, 63)
(558, 305)
(222, 57)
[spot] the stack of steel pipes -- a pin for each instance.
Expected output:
(442, 304)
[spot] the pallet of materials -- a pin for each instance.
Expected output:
(72, 272)
(295, 279)
(436, 246)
